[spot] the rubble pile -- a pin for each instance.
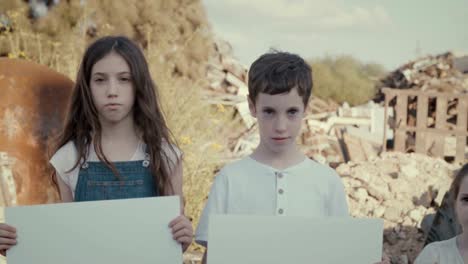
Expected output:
(441, 73)
(401, 189)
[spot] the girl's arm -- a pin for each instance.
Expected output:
(177, 182)
(181, 226)
(65, 191)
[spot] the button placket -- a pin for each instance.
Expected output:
(280, 197)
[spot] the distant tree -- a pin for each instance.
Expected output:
(345, 79)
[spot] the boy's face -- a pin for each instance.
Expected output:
(279, 119)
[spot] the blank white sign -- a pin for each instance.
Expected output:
(234, 239)
(101, 232)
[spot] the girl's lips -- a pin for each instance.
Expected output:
(112, 106)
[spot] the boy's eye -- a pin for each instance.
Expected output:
(268, 111)
(293, 112)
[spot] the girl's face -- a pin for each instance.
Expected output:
(112, 89)
(461, 204)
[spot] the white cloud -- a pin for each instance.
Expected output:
(306, 27)
(310, 14)
(371, 18)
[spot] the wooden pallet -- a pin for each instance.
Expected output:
(7, 183)
(421, 129)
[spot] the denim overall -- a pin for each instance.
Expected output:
(97, 182)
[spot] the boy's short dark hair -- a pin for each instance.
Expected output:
(278, 72)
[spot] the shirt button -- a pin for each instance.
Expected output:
(280, 211)
(280, 191)
(279, 175)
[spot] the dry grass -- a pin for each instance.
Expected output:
(197, 127)
(23, 42)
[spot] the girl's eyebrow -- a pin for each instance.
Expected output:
(104, 73)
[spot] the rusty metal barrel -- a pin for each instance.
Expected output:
(33, 102)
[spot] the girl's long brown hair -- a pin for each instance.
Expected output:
(82, 124)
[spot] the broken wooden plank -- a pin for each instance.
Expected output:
(412, 92)
(7, 182)
(388, 98)
(421, 123)
(441, 121)
(440, 132)
(342, 145)
(234, 67)
(242, 88)
(243, 109)
(461, 127)
(354, 148)
(364, 135)
(319, 116)
(215, 75)
(369, 150)
(400, 123)
(319, 103)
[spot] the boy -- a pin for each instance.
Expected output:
(277, 178)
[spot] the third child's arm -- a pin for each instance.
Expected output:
(204, 255)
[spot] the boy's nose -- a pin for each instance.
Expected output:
(281, 124)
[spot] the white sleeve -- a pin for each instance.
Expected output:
(63, 160)
(216, 204)
(337, 201)
(429, 255)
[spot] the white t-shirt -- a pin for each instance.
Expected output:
(440, 252)
(250, 187)
(65, 158)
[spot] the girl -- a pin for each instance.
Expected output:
(115, 143)
(454, 250)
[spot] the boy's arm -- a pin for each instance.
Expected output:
(216, 204)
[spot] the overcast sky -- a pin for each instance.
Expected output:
(389, 32)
